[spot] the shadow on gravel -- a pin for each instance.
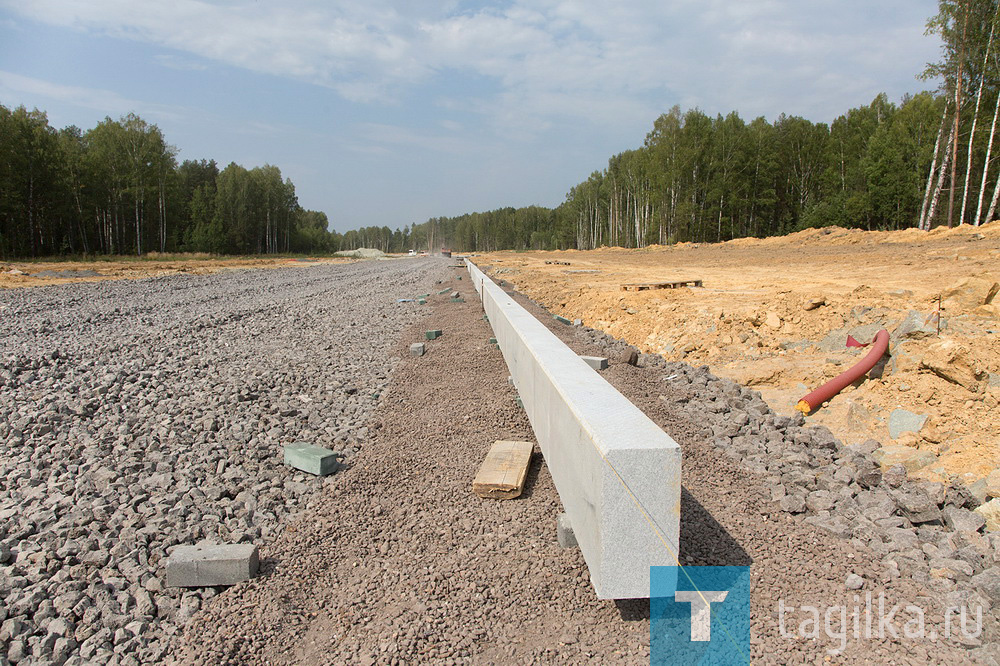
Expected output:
(633, 610)
(704, 542)
(534, 467)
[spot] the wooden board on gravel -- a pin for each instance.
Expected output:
(502, 474)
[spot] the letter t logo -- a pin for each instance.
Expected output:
(701, 612)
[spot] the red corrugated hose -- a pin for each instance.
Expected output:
(879, 347)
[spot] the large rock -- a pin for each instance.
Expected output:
(953, 361)
(916, 325)
(962, 520)
(988, 582)
(993, 483)
(991, 512)
(968, 294)
(901, 420)
(910, 458)
(917, 507)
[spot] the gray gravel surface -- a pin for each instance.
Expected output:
(138, 415)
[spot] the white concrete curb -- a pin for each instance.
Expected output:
(617, 473)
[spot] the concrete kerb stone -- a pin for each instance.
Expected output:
(212, 565)
(433, 335)
(596, 362)
(617, 473)
(311, 459)
(418, 349)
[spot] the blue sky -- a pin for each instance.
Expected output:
(387, 112)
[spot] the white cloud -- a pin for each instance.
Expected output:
(106, 101)
(172, 61)
(550, 59)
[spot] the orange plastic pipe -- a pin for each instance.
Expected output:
(812, 401)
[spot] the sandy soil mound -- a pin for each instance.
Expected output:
(775, 314)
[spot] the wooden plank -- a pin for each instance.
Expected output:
(640, 286)
(502, 474)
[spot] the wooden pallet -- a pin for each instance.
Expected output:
(641, 286)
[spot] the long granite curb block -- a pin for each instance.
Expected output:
(208, 566)
(312, 459)
(617, 473)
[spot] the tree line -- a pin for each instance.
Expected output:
(928, 160)
(118, 189)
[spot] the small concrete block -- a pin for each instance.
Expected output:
(459, 277)
(564, 532)
(562, 320)
(444, 291)
(510, 380)
(486, 318)
(432, 335)
(417, 349)
(458, 300)
(210, 565)
(596, 362)
(456, 294)
(493, 341)
(578, 322)
(519, 402)
(422, 301)
(312, 459)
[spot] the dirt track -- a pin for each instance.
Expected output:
(41, 273)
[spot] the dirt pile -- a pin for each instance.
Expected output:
(776, 313)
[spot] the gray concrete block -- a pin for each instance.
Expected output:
(596, 362)
(432, 335)
(617, 473)
(312, 459)
(417, 349)
(212, 565)
(564, 532)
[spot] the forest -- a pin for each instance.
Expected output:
(927, 160)
(118, 189)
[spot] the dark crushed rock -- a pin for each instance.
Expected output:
(138, 415)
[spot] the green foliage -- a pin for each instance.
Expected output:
(117, 189)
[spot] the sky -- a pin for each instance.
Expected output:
(389, 112)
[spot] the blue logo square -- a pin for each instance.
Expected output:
(699, 615)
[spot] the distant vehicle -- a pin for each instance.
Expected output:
(413, 253)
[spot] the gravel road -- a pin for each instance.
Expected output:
(137, 415)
